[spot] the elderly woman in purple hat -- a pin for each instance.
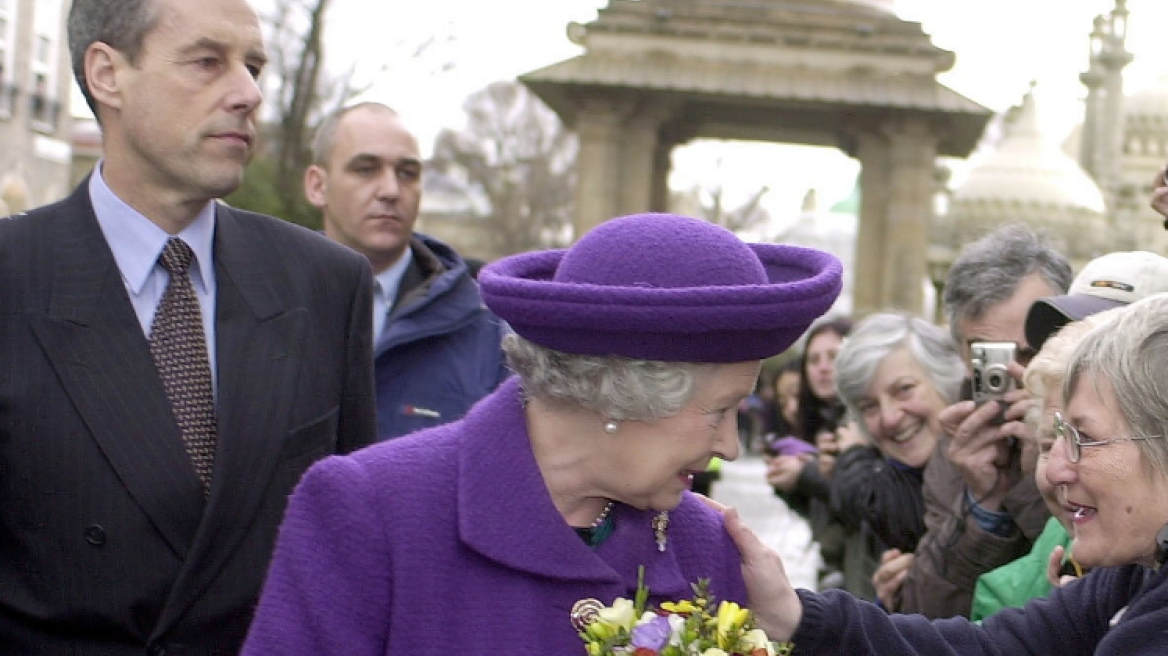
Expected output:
(632, 351)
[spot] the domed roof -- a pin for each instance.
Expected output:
(1151, 103)
(1028, 168)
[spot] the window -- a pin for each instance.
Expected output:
(7, 58)
(44, 106)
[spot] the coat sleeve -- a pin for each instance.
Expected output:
(328, 588)
(866, 488)
(1073, 620)
(357, 425)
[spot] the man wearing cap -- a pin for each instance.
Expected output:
(1108, 281)
(1111, 281)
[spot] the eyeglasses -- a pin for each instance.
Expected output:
(1075, 441)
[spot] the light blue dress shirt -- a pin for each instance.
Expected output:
(136, 243)
(385, 286)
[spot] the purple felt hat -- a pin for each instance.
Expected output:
(663, 287)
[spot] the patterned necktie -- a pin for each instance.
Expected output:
(179, 349)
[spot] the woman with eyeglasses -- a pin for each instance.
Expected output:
(1109, 464)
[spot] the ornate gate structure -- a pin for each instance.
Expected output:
(847, 74)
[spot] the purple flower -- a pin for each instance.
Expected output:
(652, 634)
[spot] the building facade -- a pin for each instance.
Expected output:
(35, 87)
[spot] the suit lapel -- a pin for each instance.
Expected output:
(94, 341)
(258, 339)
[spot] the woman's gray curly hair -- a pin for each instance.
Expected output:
(613, 387)
(879, 335)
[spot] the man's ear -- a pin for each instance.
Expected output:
(316, 185)
(102, 67)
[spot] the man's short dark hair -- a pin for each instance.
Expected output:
(989, 270)
(121, 24)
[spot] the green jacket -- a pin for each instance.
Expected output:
(1021, 580)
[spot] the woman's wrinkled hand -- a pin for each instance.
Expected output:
(777, 609)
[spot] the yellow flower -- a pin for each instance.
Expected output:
(684, 606)
(713, 651)
(731, 618)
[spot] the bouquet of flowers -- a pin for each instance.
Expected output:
(690, 627)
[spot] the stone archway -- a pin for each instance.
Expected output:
(656, 74)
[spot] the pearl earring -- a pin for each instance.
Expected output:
(610, 426)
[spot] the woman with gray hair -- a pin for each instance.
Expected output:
(1109, 463)
(894, 374)
(505, 531)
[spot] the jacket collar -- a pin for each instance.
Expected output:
(506, 513)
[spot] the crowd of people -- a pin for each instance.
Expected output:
(221, 433)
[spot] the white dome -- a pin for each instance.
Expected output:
(1029, 169)
(1151, 103)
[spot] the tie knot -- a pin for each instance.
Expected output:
(176, 256)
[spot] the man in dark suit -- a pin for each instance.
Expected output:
(126, 527)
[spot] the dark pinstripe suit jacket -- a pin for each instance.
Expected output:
(106, 543)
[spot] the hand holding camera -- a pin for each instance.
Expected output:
(986, 434)
(991, 379)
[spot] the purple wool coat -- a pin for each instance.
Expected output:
(447, 541)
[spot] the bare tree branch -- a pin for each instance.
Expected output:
(516, 154)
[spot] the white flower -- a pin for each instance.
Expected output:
(757, 639)
(676, 629)
(620, 613)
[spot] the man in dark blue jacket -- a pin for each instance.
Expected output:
(435, 346)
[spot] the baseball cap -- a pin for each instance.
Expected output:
(1107, 281)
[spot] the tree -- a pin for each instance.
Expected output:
(298, 91)
(517, 156)
(710, 203)
(294, 92)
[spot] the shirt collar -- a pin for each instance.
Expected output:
(388, 281)
(136, 241)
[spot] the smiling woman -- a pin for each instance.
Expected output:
(1116, 492)
(632, 351)
(896, 373)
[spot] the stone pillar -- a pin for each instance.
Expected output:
(598, 183)
(662, 165)
(671, 135)
(639, 153)
(912, 156)
(867, 288)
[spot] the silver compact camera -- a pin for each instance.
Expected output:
(991, 380)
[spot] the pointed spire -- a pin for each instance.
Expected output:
(810, 202)
(1023, 120)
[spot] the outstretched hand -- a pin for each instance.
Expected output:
(777, 609)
